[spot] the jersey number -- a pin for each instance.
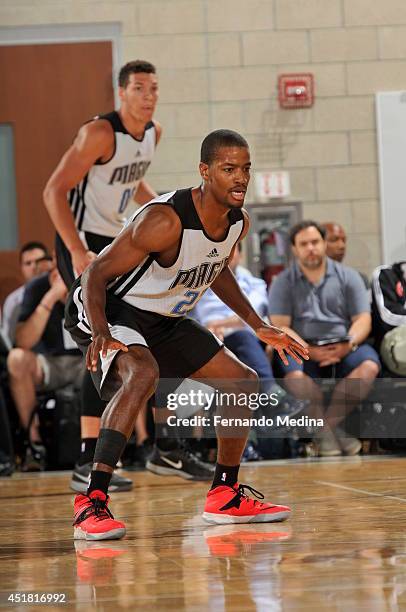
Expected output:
(192, 295)
(124, 200)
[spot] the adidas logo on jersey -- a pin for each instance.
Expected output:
(213, 253)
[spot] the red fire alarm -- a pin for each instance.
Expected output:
(296, 90)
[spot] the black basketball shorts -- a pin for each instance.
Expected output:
(93, 242)
(180, 345)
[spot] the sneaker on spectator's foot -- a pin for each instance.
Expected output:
(178, 462)
(349, 444)
(35, 458)
(327, 444)
(6, 468)
(6, 464)
(93, 520)
(81, 476)
(287, 404)
(231, 505)
(142, 453)
(203, 449)
(250, 453)
(135, 456)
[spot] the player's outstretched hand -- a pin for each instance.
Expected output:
(283, 343)
(102, 344)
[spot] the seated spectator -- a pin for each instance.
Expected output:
(318, 298)
(46, 358)
(31, 254)
(336, 243)
(239, 338)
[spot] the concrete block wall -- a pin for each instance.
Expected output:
(218, 63)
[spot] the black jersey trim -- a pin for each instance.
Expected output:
(185, 206)
(149, 261)
(74, 200)
(147, 126)
(114, 119)
(115, 285)
(118, 126)
(82, 197)
(178, 250)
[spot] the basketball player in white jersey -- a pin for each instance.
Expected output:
(127, 313)
(103, 173)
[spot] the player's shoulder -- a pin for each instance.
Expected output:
(99, 126)
(97, 138)
(156, 226)
(161, 215)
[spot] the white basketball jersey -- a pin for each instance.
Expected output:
(103, 201)
(175, 290)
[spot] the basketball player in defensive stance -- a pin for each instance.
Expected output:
(104, 174)
(127, 312)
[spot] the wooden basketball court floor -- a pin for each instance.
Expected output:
(343, 549)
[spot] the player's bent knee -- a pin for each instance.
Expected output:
(139, 373)
(249, 382)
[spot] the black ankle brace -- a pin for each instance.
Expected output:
(110, 445)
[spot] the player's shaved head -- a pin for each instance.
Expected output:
(217, 140)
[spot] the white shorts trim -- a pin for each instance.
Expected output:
(127, 336)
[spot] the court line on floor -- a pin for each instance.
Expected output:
(356, 490)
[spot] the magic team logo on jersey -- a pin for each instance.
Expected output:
(129, 173)
(204, 274)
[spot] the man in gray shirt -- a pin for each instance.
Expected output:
(320, 299)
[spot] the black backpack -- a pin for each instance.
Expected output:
(388, 300)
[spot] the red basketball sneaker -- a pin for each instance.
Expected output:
(93, 520)
(231, 505)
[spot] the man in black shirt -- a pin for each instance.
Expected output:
(45, 358)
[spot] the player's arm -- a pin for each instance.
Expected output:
(94, 141)
(155, 230)
(144, 192)
(227, 289)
